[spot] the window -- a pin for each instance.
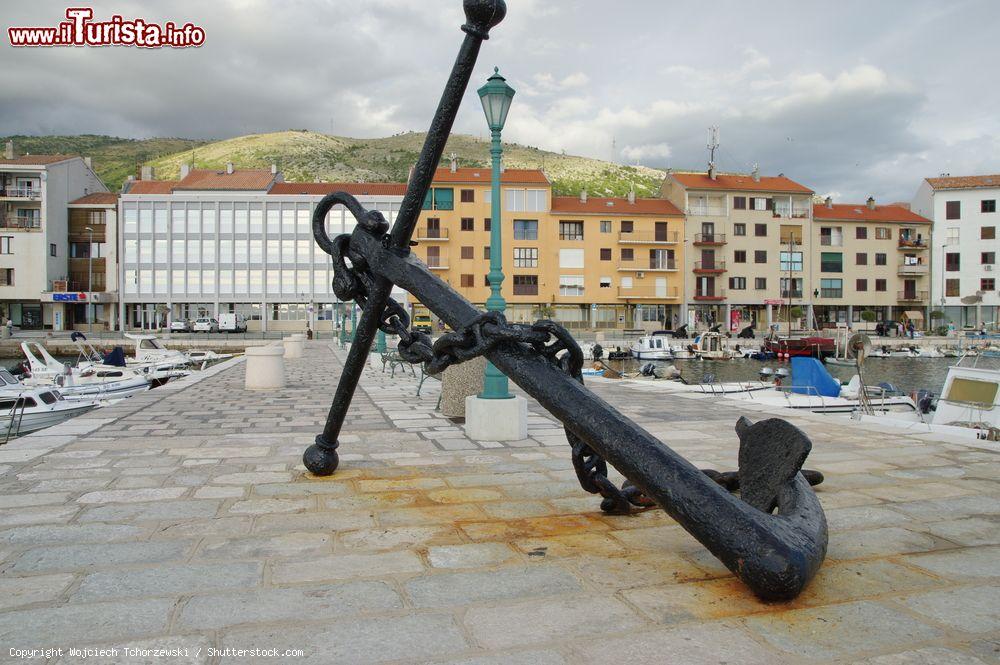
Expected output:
(739, 203)
(791, 261)
(605, 227)
(468, 253)
(953, 210)
(861, 233)
(760, 256)
(6, 277)
(605, 283)
(571, 230)
(661, 259)
(571, 258)
(627, 227)
(468, 224)
(987, 284)
(761, 203)
(525, 257)
(486, 253)
(880, 285)
(861, 259)
(525, 285)
(739, 229)
(468, 196)
(6, 244)
(486, 281)
(740, 256)
(760, 283)
(881, 259)
(760, 230)
(831, 288)
(525, 229)
(571, 285)
(467, 281)
(988, 233)
(796, 287)
(831, 236)
(988, 205)
(831, 262)
(627, 254)
(861, 285)
(487, 224)
(52, 249)
(988, 258)
(951, 287)
(883, 233)
(952, 261)
(439, 199)
(605, 253)
(525, 200)
(738, 283)
(953, 236)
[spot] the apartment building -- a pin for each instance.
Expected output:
(587, 262)
(747, 239)
(963, 279)
(869, 257)
(35, 196)
(234, 240)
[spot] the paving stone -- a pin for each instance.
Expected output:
(969, 609)
(295, 544)
(388, 538)
(925, 656)
(182, 650)
(85, 622)
(15, 591)
(454, 589)
(471, 555)
(32, 499)
(98, 555)
(347, 566)
(973, 562)
(270, 605)
(878, 542)
(150, 512)
(37, 515)
(168, 580)
(969, 531)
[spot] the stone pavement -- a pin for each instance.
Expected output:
(183, 519)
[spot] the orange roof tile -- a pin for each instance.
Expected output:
(484, 176)
(97, 198)
(964, 182)
(354, 188)
(150, 186)
(35, 160)
(861, 213)
(614, 206)
(740, 182)
(239, 179)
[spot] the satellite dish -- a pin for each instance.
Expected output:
(858, 346)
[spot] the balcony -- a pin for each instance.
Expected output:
(648, 238)
(794, 213)
(706, 210)
(913, 269)
(22, 222)
(437, 261)
(785, 293)
(28, 193)
(649, 293)
(831, 241)
(713, 295)
(710, 239)
(907, 243)
(710, 267)
(831, 293)
(912, 296)
(429, 234)
(650, 265)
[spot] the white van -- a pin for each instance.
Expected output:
(232, 322)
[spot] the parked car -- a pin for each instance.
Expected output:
(421, 323)
(180, 325)
(205, 324)
(232, 322)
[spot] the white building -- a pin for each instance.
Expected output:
(35, 193)
(965, 247)
(238, 240)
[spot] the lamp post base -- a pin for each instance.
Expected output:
(321, 458)
(496, 419)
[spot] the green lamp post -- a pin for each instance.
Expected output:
(354, 322)
(496, 97)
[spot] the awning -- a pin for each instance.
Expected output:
(914, 315)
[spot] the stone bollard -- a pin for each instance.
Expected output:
(461, 381)
(293, 346)
(265, 368)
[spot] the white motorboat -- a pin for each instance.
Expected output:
(149, 350)
(653, 347)
(91, 381)
(712, 345)
(157, 374)
(25, 409)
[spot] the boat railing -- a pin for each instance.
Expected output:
(16, 415)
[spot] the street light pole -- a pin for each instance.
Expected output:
(90, 278)
(496, 97)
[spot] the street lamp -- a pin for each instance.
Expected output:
(496, 97)
(90, 278)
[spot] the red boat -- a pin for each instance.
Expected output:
(816, 347)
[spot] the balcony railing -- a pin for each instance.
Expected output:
(650, 238)
(831, 241)
(785, 293)
(21, 222)
(911, 296)
(649, 292)
(913, 269)
(706, 210)
(794, 213)
(649, 264)
(20, 193)
(907, 243)
(437, 261)
(710, 266)
(710, 238)
(831, 293)
(427, 233)
(710, 294)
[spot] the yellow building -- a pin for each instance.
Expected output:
(586, 262)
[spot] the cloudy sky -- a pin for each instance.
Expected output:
(853, 98)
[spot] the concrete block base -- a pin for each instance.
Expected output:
(265, 368)
(293, 346)
(496, 419)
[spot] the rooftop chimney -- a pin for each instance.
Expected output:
(229, 168)
(274, 169)
(147, 173)
(454, 162)
(185, 170)
(711, 170)
(583, 196)
(631, 195)
(8, 151)
(829, 202)
(89, 163)
(870, 202)
(755, 174)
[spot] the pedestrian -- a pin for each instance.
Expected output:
(912, 329)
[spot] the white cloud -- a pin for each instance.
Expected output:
(645, 153)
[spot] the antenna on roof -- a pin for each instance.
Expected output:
(614, 149)
(713, 143)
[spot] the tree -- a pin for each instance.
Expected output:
(868, 316)
(545, 312)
